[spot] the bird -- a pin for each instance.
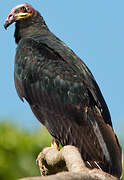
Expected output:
(62, 92)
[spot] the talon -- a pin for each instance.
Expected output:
(36, 161)
(38, 158)
(55, 143)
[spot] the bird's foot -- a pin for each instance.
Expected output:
(39, 161)
(55, 144)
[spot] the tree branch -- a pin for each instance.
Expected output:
(52, 161)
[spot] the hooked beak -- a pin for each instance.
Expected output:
(9, 20)
(6, 24)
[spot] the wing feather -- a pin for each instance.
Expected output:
(65, 97)
(58, 47)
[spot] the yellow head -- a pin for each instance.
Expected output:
(19, 12)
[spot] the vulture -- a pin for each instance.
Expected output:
(62, 92)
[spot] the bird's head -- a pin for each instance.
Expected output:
(19, 13)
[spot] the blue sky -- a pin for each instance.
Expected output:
(93, 29)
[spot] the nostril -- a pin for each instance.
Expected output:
(10, 17)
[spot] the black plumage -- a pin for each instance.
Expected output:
(62, 92)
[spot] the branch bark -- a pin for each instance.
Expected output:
(52, 161)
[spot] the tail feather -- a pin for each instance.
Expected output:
(112, 155)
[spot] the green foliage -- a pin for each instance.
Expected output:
(19, 150)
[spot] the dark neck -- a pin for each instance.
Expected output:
(30, 26)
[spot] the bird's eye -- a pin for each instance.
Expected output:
(27, 8)
(16, 11)
(23, 9)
